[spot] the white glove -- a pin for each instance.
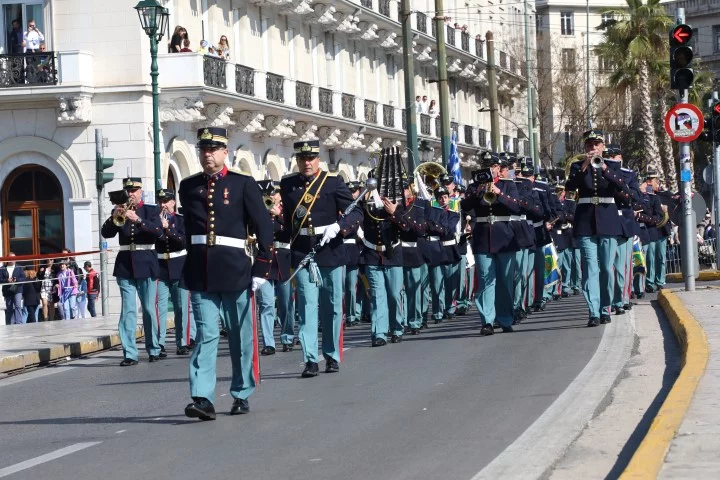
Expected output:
(330, 233)
(257, 282)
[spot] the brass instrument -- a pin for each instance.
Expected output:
(430, 172)
(570, 162)
(489, 196)
(570, 195)
(597, 161)
(665, 220)
(269, 202)
(121, 199)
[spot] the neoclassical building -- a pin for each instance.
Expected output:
(298, 69)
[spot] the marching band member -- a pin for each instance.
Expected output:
(354, 293)
(664, 229)
(493, 202)
(541, 294)
(136, 269)
(466, 268)
(596, 225)
(414, 266)
(171, 253)
(570, 263)
(218, 205)
(557, 233)
(311, 201)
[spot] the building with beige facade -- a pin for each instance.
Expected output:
(298, 69)
(704, 17)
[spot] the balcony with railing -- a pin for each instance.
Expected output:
(437, 126)
(465, 41)
(388, 116)
(348, 105)
(244, 80)
(424, 124)
(479, 50)
(450, 34)
(384, 7)
(275, 88)
(433, 28)
(370, 111)
(325, 98)
(421, 20)
(503, 60)
(303, 95)
(513, 65)
(366, 3)
(214, 72)
(482, 137)
(28, 70)
(469, 134)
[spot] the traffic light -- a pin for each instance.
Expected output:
(102, 164)
(681, 55)
(715, 122)
(707, 133)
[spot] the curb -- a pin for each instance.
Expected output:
(703, 276)
(650, 455)
(43, 356)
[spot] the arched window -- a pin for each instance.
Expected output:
(32, 212)
(171, 180)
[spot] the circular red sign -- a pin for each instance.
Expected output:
(684, 122)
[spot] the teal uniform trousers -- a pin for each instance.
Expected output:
(351, 306)
(658, 278)
(323, 303)
(453, 274)
(566, 266)
(385, 285)
(414, 293)
(238, 310)
(651, 264)
(598, 255)
(466, 283)
(285, 311)
(622, 276)
(146, 289)
(576, 269)
(520, 279)
(494, 297)
(170, 290)
(265, 298)
(541, 293)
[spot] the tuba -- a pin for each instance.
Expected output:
(430, 172)
(269, 202)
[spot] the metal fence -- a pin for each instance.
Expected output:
(28, 69)
(706, 256)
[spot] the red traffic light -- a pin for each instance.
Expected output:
(680, 35)
(716, 108)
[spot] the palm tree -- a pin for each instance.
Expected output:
(632, 42)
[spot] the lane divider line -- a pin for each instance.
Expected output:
(650, 454)
(19, 467)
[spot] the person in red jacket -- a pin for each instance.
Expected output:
(93, 288)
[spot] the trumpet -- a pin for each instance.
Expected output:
(597, 161)
(122, 200)
(489, 196)
(269, 202)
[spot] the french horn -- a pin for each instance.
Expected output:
(430, 172)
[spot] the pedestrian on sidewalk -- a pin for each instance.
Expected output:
(81, 296)
(9, 274)
(31, 295)
(47, 282)
(67, 290)
(93, 288)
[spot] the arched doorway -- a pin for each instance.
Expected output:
(32, 213)
(171, 180)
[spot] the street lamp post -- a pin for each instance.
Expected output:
(154, 20)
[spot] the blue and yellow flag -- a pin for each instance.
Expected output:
(638, 258)
(552, 271)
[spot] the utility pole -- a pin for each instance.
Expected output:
(442, 81)
(716, 187)
(688, 243)
(102, 244)
(493, 94)
(410, 106)
(531, 110)
(587, 63)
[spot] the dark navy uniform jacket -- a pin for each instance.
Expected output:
(600, 219)
(280, 267)
(569, 219)
(542, 234)
(496, 237)
(557, 233)
(452, 250)
(383, 235)
(415, 216)
(139, 263)
(172, 240)
(531, 208)
(464, 237)
(223, 205)
(647, 219)
(665, 199)
(435, 227)
(628, 222)
(332, 200)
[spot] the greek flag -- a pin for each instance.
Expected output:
(552, 271)
(453, 165)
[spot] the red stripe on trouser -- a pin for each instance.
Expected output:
(255, 357)
(187, 334)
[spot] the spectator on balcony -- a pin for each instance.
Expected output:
(425, 106)
(176, 41)
(15, 38)
(186, 46)
(203, 47)
(32, 38)
(433, 110)
(418, 105)
(222, 49)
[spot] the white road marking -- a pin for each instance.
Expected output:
(158, 418)
(224, 395)
(19, 467)
(121, 431)
(59, 368)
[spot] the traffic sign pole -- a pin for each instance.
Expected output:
(688, 243)
(100, 153)
(716, 186)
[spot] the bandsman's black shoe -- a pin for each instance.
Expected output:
(461, 311)
(507, 329)
(183, 351)
(556, 296)
(192, 344)
(331, 366)
(267, 351)
(201, 408)
(594, 322)
(640, 295)
(162, 354)
(627, 306)
(487, 330)
(414, 331)
(396, 339)
(162, 348)
(223, 332)
(154, 358)
(128, 362)
(438, 320)
(348, 324)
(576, 291)
(365, 319)
(240, 407)
(605, 319)
(619, 310)
(649, 290)
(449, 316)
(379, 342)
(423, 324)
(565, 294)
(311, 370)
(287, 347)
(496, 325)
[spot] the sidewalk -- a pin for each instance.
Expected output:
(23, 346)
(693, 453)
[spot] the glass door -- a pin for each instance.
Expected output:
(22, 12)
